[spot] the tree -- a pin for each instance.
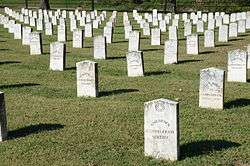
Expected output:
(44, 4)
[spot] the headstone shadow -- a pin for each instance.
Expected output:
(33, 129)
(188, 61)
(122, 41)
(9, 62)
(237, 103)
(222, 45)
(151, 49)
(71, 68)
(116, 92)
(21, 85)
(198, 148)
(207, 52)
(236, 39)
(156, 73)
(116, 57)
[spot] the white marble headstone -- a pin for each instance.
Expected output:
(100, 47)
(211, 93)
(35, 43)
(192, 44)
(161, 129)
(57, 56)
(171, 52)
(87, 79)
(135, 64)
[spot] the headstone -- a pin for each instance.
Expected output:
(61, 33)
(211, 93)
(57, 56)
(209, 38)
(35, 43)
(26, 35)
(100, 47)
(248, 56)
(172, 33)
(18, 31)
(237, 66)
(192, 44)
(211, 23)
(3, 119)
(242, 26)
(87, 79)
(77, 38)
(233, 29)
(155, 36)
(135, 63)
(187, 29)
(171, 52)
(88, 30)
(48, 28)
(223, 33)
(108, 34)
(146, 29)
(134, 41)
(161, 129)
(200, 26)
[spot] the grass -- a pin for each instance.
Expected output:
(49, 125)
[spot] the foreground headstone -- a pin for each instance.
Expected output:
(87, 79)
(100, 47)
(211, 93)
(3, 119)
(192, 44)
(57, 56)
(35, 43)
(135, 63)
(237, 66)
(161, 129)
(171, 52)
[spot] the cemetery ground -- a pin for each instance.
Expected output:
(49, 125)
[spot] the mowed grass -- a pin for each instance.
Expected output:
(49, 125)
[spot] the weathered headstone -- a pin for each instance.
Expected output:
(242, 26)
(3, 119)
(155, 36)
(18, 31)
(88, 30)
(209, 38)
(61, 33)
(35, 43)
(171, 52)
(248, 56)
(100, 47)
(26, 35)
(211, 93)
(77, 38)
(223, 33)
(192, 44)
(233, 29)
(135, 63)
(134, 41)
(87, 79)
(48, 28)
(57, 56)
(237, 66)
(172, 33)
(108, 34)
(161, 129)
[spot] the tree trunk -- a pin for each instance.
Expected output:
(44, 4)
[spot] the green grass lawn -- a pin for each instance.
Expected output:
(49, 125)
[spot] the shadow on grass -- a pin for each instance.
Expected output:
(88, 46)
(116, 92)
(237, 103)
(243, 35)
(17, 85)
(116, 57)
(151, 49)
(9, 62)
(223, 45)
(4, 49)
(182, 39)
(188, 61)
(3, 41)
(70, 68)
(33, 129)
(122, 41)
(236, 39)
(156, 73)
(198, 148)
(207, 52)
